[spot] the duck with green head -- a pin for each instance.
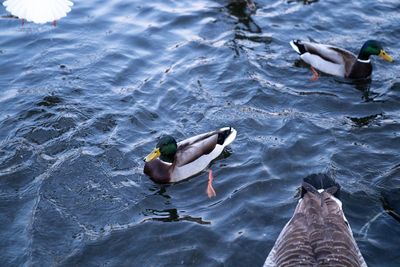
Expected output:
(338, 61)
(172, 162)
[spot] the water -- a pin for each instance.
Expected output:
(83, 102)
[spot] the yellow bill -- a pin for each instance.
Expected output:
(385, 56)
(153, 155)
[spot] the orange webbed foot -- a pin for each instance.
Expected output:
(315, 74)
(210, 190)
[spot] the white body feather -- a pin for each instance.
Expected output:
(201, 163)
(323, 65)
(334, 66)
(38, 11)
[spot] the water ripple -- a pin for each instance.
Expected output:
(83, 102)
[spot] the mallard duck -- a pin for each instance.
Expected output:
(318, 234)
(172, 162)
(337, 61)
(38, 11)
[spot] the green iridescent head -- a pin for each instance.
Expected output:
(165, 149)
(372, 47)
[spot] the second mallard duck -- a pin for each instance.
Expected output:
(173, 162)
(340, 62)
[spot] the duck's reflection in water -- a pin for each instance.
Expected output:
(168, 215)
(171, 215)
(364, 121)
(364, 86)
(305, 2)
(161, 190)
(390, 203)
(249, 4)
(241, 10)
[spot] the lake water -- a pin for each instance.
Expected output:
(83, 102)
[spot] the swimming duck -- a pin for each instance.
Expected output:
(172, 162)
(337, 61)
(38, 11)
(318, 234)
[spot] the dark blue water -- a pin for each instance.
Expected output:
(83, 102)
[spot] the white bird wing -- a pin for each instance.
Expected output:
(197, 152)
(328, 59)
(38, 11)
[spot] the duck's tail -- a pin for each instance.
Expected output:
(226, 136)
(316, 183)
(298, 46)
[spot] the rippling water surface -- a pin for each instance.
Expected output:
(81, 104)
